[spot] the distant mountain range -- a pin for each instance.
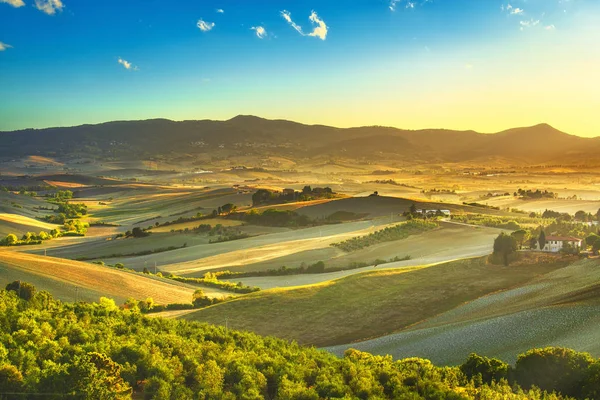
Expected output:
(248, 135)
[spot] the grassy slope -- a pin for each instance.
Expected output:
(369, 304)
(61, 277)
(19, 224)
(560, 308)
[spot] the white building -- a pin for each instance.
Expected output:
(555, 243)
(433, 212)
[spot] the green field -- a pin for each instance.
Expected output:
(371, 304)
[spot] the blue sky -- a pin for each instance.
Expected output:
(460, 64)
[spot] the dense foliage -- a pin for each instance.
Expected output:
(266, 197)
(505, 248)
(389, 234)
(99, 351)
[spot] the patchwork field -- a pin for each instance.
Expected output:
(445, 293)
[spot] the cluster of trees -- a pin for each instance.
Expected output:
(135, 233)
(510, 223)
(480, 205)
(71, 228)
(102, 351)
(199, 300)
(551, 369)
(429, 192)
(579, 216)
(223, 233)
(505, 249)
(264, 197)
(389, 234)
(272, 217)
(226, 209)
(65, 209)
(534, 194)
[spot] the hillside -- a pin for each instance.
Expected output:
(72, 280)
(369, 304)
(98, 351)
(250, 135)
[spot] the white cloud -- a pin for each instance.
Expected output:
(127, 64)
(550, 28)
(320, 29)
(14, 3)
(517, 11)
(50, 7)
(529, 24)
(205, 26)
(220, 10)
(261, 32)
(4, 46)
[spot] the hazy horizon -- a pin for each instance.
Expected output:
(485, 66)
(299, 122)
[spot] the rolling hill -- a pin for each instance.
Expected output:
(72, 280)
(256, 136)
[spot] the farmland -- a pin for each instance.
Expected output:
(389, 281)
(373, 303)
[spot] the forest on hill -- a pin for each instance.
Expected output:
(102, 351)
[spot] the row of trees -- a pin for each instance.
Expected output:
(101, 351)
(71, 228)
(389, 234)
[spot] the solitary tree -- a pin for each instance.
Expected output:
(505, 246)
(11, 239)
(413, 208)
(542, 240)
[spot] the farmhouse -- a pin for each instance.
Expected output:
(555, 243)
(433, 212)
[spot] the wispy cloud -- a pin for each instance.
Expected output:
(550, 27)
(205, 26)
(529, 24)
(288, 17)
(512, 10)
(260, 31)
(127, 64)
(320, 28)
(410, 4)
(49, 7)
(4, 46)
(220, 10)
(14, 3)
